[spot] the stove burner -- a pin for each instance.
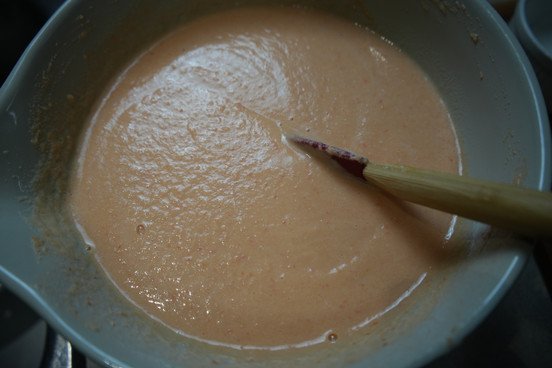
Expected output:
(60, 354)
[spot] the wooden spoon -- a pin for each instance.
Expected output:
(522, 210)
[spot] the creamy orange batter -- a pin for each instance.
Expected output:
(207, 219)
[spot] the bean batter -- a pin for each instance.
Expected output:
(207, 219)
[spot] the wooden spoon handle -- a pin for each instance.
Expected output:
(522, 210)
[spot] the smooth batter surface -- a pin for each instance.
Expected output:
(208, 220)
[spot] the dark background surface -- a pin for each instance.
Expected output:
(518, 333)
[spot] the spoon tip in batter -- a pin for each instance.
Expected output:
(350, 161)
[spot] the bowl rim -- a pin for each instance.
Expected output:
(529, 38)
